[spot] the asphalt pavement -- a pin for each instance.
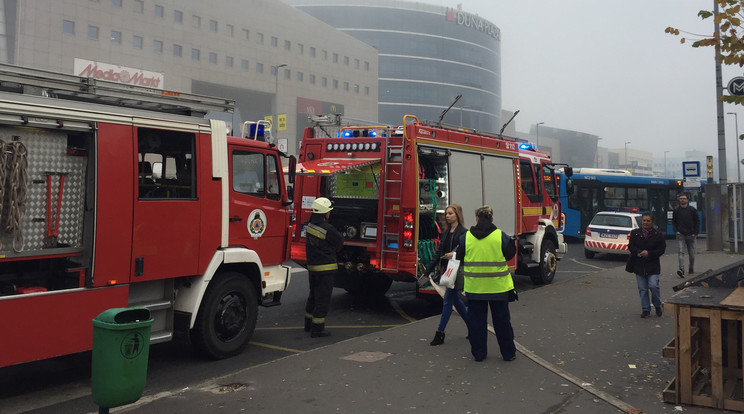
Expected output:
(582, 349)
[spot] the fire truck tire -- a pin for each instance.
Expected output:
(589, 254)
(545, 272)
(227, 317)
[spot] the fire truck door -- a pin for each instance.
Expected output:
(166, 207)
(258, 218)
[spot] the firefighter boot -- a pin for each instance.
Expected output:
(308, 323)
(317, 330)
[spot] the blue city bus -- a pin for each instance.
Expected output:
(593, 190)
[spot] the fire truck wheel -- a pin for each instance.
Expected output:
(589, 254)
(226, 318)
(545, 272)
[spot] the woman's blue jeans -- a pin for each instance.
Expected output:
(451, 298)
(646, 284)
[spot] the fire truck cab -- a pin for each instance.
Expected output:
(113, 196)
(391, 185)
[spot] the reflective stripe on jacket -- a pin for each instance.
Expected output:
(485, 269)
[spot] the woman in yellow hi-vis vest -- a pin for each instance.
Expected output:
(488, 283)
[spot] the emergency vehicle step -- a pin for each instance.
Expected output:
(160, 336)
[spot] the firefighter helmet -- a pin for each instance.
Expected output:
(322, 205)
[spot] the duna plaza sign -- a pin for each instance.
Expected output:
(470, 20)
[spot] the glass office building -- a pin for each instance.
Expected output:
(427, 55)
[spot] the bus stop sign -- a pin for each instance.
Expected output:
(691, 168)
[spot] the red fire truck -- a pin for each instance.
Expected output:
(117, 196)
(390, 187)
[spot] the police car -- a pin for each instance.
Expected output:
(608, 232)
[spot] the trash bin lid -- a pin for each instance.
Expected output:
(123, 318)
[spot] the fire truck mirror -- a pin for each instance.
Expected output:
(291, 169)
(568, 171)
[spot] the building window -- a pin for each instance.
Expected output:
(312, 51)
(68, 27)
(93, 32)
(274, 70)
(312, 79)
(274, 41)
(159, 11)
(366, 66)
(213, 26)
(287, 73)
(259, 67)
(346, 61)
(177, 50)
(259, 38)
(366, 91)
(325, 55)
(230, 30)
(244, 64)
(356, 63)
(157, 46)
(178, 16)
(195, 54)
(346, 86)
(287, 45)
(116, 3)
(356, 88)
(115, 37)
(300, 48)
(137, 42)
(212, 58)
(139, 6)
(324, 82)
(247, 34)
(196, 21)
(335, 58)
(300, 76)
(335, 84)
(229, 61)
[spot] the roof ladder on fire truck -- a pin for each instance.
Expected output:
(391, 194)
(32, 81)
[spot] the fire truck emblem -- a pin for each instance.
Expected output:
(256, 223)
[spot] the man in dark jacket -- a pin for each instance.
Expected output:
(322, 243)
(646, 246)
(485, 251)
(686, 223)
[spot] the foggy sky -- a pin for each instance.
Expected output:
(607, 68)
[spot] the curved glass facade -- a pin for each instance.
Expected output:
(427, 55)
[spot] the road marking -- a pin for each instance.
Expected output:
(280, 348)
(587, 264)
(401, 312)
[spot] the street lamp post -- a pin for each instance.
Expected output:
(626, 154)
(665, 168)
(537, 132)
(738, 160)
(276, 94)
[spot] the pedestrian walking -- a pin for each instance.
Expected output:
(485, 250)
(322, 243)
(686, 225)
(448, 242)
(646, 246)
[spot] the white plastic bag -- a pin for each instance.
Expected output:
(450, 274)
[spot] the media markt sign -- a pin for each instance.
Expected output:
(118, 74)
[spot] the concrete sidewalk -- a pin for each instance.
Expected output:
(583, 349)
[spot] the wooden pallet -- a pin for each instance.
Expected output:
(707, 350)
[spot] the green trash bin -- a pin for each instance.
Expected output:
(121, 347)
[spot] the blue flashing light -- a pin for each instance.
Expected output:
(526, 146)
(373, 133)
(346, 134)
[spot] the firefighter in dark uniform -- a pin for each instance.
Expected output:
(322, 243)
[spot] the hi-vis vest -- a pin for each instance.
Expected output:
(485, 269)
(316, 231)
